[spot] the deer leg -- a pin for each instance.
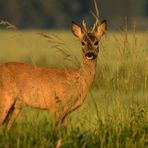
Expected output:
(67, 114)
(58, 120)
(6, 104)
(15, 113)
(65, 121)
(13, 117)
(61, 120)
(62, 116)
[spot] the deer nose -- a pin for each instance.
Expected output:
(90, 54)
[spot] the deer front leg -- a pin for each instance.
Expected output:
(63, 112)
(61, 120)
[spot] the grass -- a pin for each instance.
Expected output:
(115, 113)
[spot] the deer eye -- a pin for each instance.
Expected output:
(82, 43)
(96, 43)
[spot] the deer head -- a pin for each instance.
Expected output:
(89, 39)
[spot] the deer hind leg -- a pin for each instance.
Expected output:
(16, 111)
(13, 117)
(6, 103)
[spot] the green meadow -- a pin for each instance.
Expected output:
(115, 113)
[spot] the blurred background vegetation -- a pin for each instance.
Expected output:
(58, 14)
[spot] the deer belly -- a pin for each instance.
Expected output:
(38, 98)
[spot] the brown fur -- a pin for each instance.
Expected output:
(60, 91)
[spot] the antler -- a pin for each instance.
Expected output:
(95, 26)
(84, 26)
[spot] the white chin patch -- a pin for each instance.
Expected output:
(90, 58)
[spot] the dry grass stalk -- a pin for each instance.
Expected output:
(7, 24)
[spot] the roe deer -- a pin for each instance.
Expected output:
(60, 91)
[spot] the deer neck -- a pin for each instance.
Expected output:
(88, 70)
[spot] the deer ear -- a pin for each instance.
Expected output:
(101, 29)
(76, 30)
